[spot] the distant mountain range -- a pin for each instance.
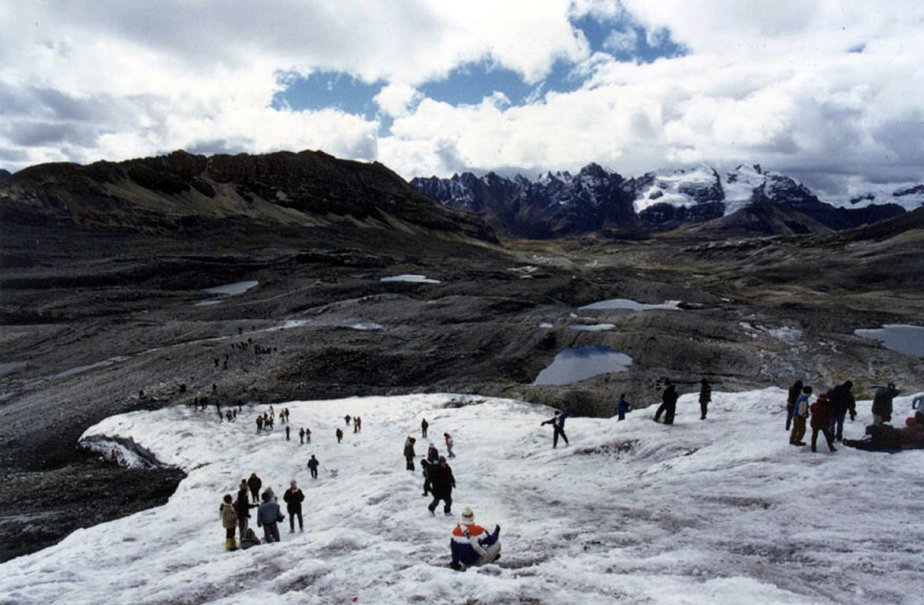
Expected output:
(561, 204)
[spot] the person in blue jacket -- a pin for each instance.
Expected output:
(622, 407)
(471, 544)
(558, 424)
(268, 515)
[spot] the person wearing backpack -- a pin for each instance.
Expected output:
(799, 414)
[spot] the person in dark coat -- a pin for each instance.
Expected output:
(242, 506)
(433, 454)
(339, 434)
(622, 407)
(794, 391)
(668, 404)
(882, 403)
(705, 396)
(423, 428)
(287, 431)
(842, 401)
(441, 485)
(293, 499)
(249, 539)
(259, 424)
(558, 427)
(822, 414)
(425, 468)
(313, 466)
(409, 454)
(254, 484)
(268, 517)
(347, 419)
(301, 436)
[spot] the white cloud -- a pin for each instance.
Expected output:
(762, 82)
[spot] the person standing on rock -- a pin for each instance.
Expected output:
(799, 414)
(242, 507)
(558, 427)
(441, 484)
(313, 466)
(409, 454)
(449, 443)
(229, 521)
(668, 404)
(705, 396)
(882, 403)
(254, 483)
(424, 425)
(339, 434)
(293, 499)
(268, 517)
(822, 415)
(842, 401)
(622, 407)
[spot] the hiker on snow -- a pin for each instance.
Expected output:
(293, 499)
(705, 396)
(229, 521)
(822, 415)
(423, 428)
(882, 403)
(425, 469)
(558, 425)
(799, 414)
(794, 391)
(441, 484)
(409, 454)
(339, 434)
(842, 401)
(313, 466)
(268, 515)
(622, 408)
(433, 454)
(471, 545)
(249, 539)
(242, 507)
(668, 404)
(254, 484)
(449, 443)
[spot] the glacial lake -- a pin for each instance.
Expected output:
(574, 365)
(629, 305)
(227, 290)
(902, 338)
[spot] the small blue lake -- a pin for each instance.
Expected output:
(898, 337)
(574, 365)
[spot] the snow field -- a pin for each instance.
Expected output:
(716, 511)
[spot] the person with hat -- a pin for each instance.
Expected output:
(294, 497)
(471, 544)
(441, 484)
(229, 521)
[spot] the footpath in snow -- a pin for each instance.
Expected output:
(715, 511)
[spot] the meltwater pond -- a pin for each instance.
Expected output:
(575, 365)
(898, 337)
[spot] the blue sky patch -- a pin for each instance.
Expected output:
(627, 41)
(326, 89)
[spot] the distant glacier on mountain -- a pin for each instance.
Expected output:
(595, 199)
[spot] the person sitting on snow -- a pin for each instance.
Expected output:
(471, 545)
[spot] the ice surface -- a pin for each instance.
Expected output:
(410, 278)
(634, 512)
(631, 305)
(898, 337)
(364, 325)
(233, 289)
(591, 327)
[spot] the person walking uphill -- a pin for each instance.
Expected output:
(705, 396)
(471, 545)
(441, 485)
(822, 415)
(228, 521)
(558, 426)
(799, 414)
(254, 484)
(293, 499)
(268, 516)
(409, 454)
(668, 404)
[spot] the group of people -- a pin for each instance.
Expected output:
(356, 421)
(235, 513)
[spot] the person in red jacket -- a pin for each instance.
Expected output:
(822, 415)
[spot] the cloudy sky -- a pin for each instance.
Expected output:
(827, 91)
